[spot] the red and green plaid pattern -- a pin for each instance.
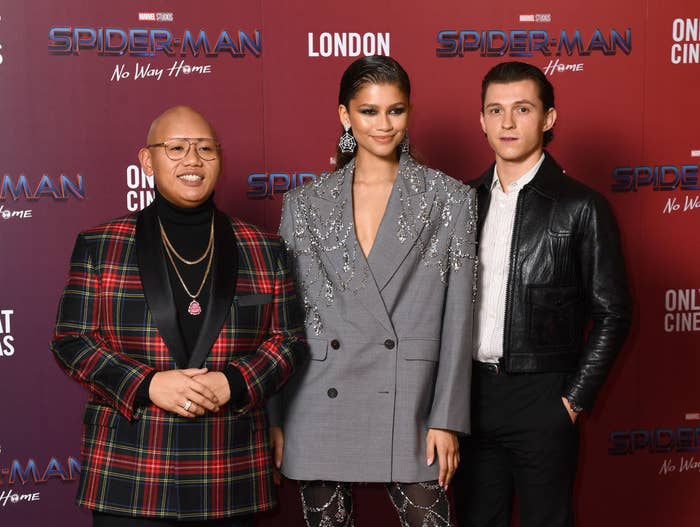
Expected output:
(147, 462)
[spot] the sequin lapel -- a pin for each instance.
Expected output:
(331, 222)
(406, 215)
(419, 224)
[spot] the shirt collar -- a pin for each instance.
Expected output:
(519, 183)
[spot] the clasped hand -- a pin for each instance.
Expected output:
(190, 392)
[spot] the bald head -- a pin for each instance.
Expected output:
(187, 176)
(170, 123)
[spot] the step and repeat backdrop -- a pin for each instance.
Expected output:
(80, 82)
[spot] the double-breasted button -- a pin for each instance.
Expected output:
(332, 393)
(389, 344)
(335, 344)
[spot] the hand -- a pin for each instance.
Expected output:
(217, 382)
(277, 445)
(573, 415)
(172, 389)
(447, 446)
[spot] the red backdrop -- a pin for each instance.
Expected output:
(75, 104)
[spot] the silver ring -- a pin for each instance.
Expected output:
(187, 405)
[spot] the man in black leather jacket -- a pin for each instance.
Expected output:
(552, 312)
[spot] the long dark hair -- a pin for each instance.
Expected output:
(375, 69)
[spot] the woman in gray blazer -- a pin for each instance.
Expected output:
(384, 255)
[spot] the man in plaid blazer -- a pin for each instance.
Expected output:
(181, 322)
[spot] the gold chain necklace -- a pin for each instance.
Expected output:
(169, 245)
(194, 308)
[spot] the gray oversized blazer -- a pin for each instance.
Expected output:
(390, 335)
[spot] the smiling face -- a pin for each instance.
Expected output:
(190, 181)
(514, 120)
(378, 115)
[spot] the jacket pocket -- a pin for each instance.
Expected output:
(553, 315)
(100, 424)
(252, 300)
(318, 349)
(252, 312)
(420, 349)
(100, 415)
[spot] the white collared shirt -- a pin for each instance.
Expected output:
(494, 265)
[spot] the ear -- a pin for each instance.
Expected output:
(343, 115)
(481, 120)
(146, 161)
(550, 117)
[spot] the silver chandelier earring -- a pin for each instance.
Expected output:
(347, 143)
(405, 144)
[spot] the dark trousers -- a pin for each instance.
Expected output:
(523, 443)
(108, 520)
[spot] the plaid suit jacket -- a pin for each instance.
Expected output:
(117, 323)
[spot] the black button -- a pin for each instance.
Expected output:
(389, 344)
(332, 393)
(335, 344)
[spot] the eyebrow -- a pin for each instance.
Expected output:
(522, 101)
(375, 105)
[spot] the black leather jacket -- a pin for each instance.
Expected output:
(568, 308)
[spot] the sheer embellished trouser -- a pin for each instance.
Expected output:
(329, 504)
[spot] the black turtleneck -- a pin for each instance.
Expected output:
(188, 230)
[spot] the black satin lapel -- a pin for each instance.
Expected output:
(156, 284)
(222, 288)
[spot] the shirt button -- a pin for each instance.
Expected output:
(332, 393)
(335, 344)
(389, 344)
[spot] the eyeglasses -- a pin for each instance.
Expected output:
(177, 149)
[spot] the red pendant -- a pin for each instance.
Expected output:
(194, 308)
